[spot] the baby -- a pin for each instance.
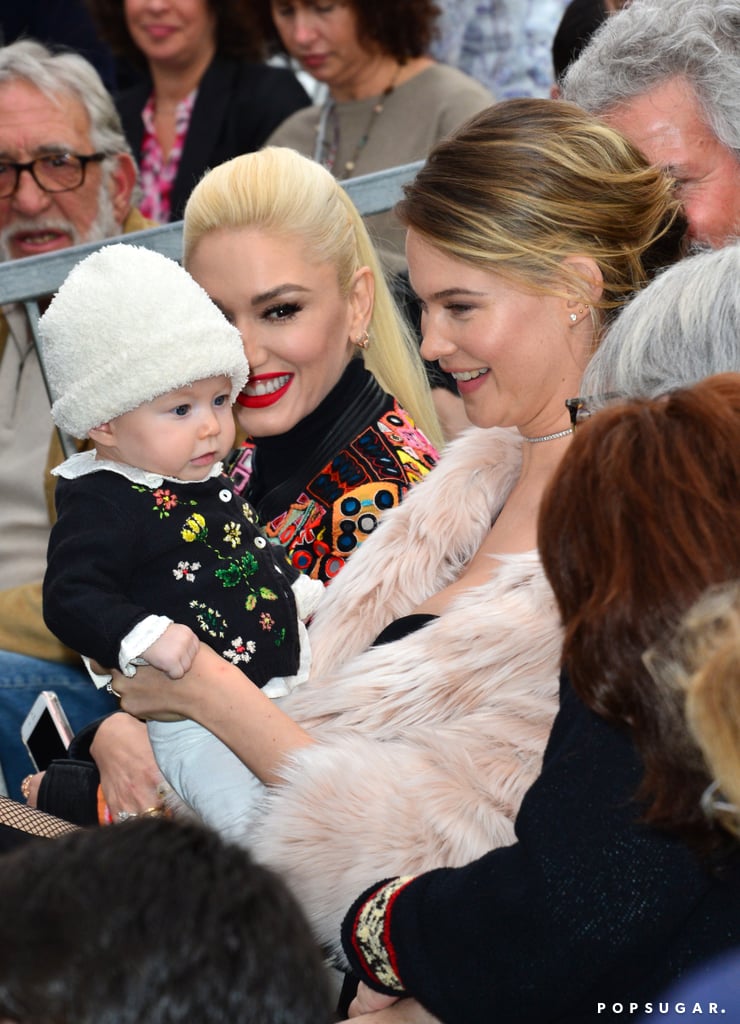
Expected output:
(152, 551)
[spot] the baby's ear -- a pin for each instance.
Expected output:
(101, 435)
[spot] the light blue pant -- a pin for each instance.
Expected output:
(21, 680)
(208, 776)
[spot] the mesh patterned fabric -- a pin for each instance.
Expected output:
(29, 820)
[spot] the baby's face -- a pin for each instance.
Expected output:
(181, 434)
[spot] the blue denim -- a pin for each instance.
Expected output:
(21, 681)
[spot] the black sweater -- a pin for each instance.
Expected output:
(588, 907)
(120, 551)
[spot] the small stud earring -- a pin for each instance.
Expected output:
(573, 317)
(362, 341)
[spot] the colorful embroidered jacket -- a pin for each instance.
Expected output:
(320, 489)
(122, 550)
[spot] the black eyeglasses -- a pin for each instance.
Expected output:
(57, 172)
(580, 408)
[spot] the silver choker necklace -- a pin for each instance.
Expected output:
(547, 437)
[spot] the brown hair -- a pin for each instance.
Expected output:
(403, 30)
(235, 29)
(528, 182)
(642, 516)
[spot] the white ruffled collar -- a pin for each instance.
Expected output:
(84, 463)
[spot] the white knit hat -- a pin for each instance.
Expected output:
(127, 325)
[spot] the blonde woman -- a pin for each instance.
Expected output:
(337, 397)
(616, 883)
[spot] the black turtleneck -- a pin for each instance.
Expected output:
(284, 465)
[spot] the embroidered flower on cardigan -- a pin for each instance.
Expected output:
(164, 498)
(233, 534)
(249, 514)
(240, 651)
(186, 571)
(210, 621)
(267, 622)
(240, 571)
(195, 528)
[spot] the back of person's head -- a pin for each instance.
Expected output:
(699, 667)
(650, 41)
(278, 191)
(683, 327)
(152, 922)
(578, 23)
(528, 183)
(642, 516)
(69, 74)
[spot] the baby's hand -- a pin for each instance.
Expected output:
(174, 651)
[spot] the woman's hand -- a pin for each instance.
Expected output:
(368, 1000)
(150, 694)
(30, 788)
(129, 776)
(377, 1008)
(218, 696)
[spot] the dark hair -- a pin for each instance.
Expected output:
(403, 30)
(580, 20)
(151, 922)
(235, 29)
(642, 516)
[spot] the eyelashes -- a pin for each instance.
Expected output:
(281, 311)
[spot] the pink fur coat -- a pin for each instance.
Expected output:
(427, 744)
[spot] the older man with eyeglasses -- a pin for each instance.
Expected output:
(66, 176)
(666, 73)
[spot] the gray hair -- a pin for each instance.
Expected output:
(55, 73)
(684, 326)
(650, 41)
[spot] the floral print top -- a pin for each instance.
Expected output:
(157, 172)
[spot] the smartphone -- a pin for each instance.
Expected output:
(46, 732)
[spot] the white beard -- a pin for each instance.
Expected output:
(103, 226)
